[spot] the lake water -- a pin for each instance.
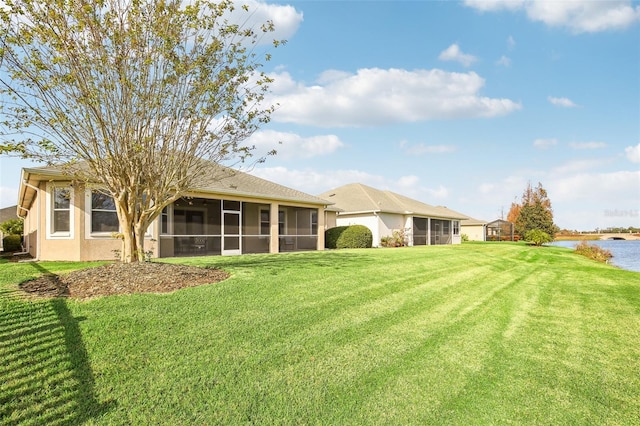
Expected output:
(626, 253)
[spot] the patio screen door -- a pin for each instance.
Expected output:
(231, 229)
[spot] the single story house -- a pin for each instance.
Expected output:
(8, 213)
(384, 212)
(475, 229)
(237, 214)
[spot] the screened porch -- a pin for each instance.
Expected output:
(208, 227)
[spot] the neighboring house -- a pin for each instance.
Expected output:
(66, 220)
(499, 230)
(474, 229)
(384, 212)
(8, 213)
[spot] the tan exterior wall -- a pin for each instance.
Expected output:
(475, 232)
(80, 245)
(330, 220)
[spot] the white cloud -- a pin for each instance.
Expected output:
(290, 145)
(286, 19)
(544, 143)
(577, 166)
(495, 5)
(633, 153)
(579, 16)
(562, 102)
(315, 182)
(422, 149)
(504, 61)
(587, 145)
(453, 53)
(374, 97)
(606, 188)
(511, 42)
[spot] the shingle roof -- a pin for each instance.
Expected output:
(227, 181)
(8, 213)
(359, 198)
(471, 221)
(234, 182)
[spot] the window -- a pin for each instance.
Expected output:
(314, 222)
(61, 214)
(282, 222)
(104, 218)
(265, 223)
(456, 227)
(164, 221)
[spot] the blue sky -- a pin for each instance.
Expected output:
(456, 103)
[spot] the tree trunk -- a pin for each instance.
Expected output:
(129, 247)
(129, 251)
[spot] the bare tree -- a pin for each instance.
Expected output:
(131, 95)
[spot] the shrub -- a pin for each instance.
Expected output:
(12, 243)
(331, 236)
(593, 251)
(464, 238)
(353, 236)
(12, 226)
(398, 239)
(537, 237)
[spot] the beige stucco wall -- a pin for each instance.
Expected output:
(80, 245)
(475, 232)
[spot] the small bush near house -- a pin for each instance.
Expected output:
(12, 243)
(464, 238)
(398, 239)
(593, 251)
(537, 237)
(331, 236)
(12, 226)
(354, 236)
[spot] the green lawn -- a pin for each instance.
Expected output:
(486, 333)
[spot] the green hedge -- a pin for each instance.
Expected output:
(12, 243)
(353, 236)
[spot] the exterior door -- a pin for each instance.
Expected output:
(231, 228)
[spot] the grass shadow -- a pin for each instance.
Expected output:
(46, 370)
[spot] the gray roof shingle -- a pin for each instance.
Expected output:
(227, 181)
(359, 198)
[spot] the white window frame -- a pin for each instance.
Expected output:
(88, 211)
(455, 227)
(168, 213)
(50, 200)
(89, 235)
(266, 210)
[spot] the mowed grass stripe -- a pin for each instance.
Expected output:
(478, 333)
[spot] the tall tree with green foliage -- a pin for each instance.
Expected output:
(131, 94)
(534, 212)
(12, 226)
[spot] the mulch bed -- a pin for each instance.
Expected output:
(121, 278)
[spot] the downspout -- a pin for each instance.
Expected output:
(35, 188)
